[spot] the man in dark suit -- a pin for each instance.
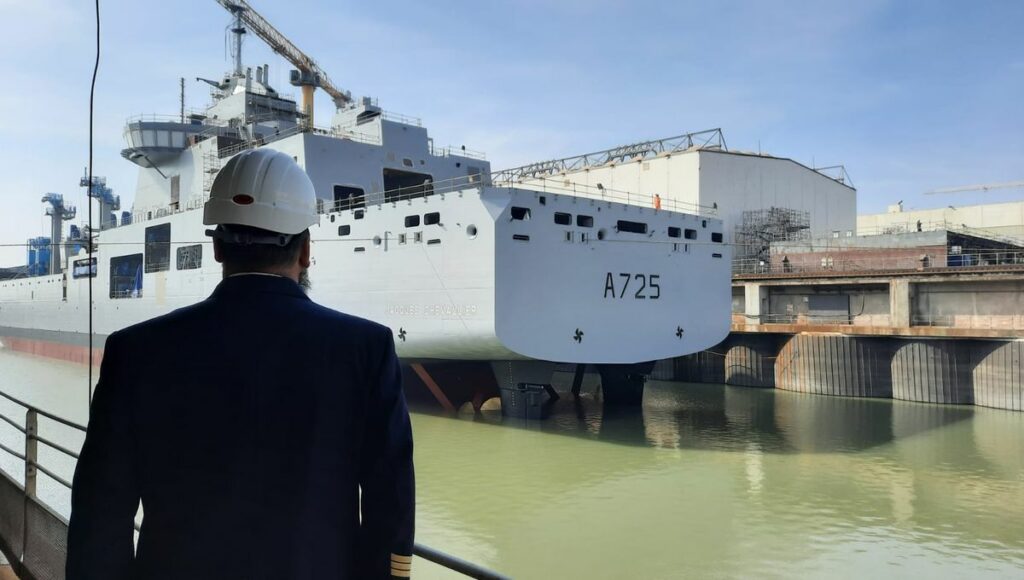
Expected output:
(265, 436)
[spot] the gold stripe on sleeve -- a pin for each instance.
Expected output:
(400, 559)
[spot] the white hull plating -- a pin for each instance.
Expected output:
(413, 236)
(477, 285)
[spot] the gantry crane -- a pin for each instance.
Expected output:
(309, 75)
(109, 203)
(59, 213)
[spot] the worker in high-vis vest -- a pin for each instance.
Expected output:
(264, 435)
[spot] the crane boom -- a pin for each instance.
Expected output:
(981, 187)
(311, 75)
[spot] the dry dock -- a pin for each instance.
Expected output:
(882, 328)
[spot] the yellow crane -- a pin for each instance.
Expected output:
(309, 75)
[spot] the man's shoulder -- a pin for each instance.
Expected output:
(203, 313)
(161, 323)
(347, 322)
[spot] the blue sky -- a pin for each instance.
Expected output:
(910, 96)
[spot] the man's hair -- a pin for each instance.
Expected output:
(257, 257)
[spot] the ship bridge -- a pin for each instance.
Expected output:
(155, 139)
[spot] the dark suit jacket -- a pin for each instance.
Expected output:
(247, 425)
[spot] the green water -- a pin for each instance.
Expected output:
(705, 481)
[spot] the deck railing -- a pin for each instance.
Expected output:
(33, 536)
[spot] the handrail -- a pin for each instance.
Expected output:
(873, 259)
(30, 457)
(464, 183)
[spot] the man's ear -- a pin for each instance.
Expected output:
(305, 253)
(217, 254)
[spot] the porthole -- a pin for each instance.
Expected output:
(471, 231)
(376, 240)
(601, 233)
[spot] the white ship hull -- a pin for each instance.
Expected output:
(478, 285)
(412, 236)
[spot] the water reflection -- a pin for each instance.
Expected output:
(723, 418)
(720, 481)
(704, 481)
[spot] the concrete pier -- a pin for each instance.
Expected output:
(935, 334)
(750, 360)
(932, 371)
(997, 375)
(834, 365)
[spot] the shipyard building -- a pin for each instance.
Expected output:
(759, 197)
(994, 219)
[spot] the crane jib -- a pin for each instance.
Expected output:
(310, 74)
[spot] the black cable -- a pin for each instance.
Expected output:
(89, 244)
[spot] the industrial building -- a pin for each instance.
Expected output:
(1000, 219)
(895, 251)
(765, 192)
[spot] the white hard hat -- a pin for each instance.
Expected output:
(265, 189)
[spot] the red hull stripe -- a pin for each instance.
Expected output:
(68, 352)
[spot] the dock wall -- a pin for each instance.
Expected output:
(981, 372)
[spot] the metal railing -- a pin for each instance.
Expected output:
(457, 184)
(400, 118)
(970, 320)
(861, 260)
(560, 185)
(40, 561)
(477, 182)
(709, 139)
(836, 173)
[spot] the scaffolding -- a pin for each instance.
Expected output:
(759, 228)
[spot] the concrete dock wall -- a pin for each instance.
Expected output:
(930, 370)
(997, 376)
(750, 360)
(835, 365)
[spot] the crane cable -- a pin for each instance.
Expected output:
(89, 245)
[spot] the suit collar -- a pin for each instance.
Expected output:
(258, 284)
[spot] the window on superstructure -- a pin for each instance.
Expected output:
(190, 257)
(585, 221)
(158, 248)
(126, 276)
(716, 237)
(631, 227)
(520, 213)
(412, 221)
(691, 234)
(563, 219)
(348, 197)
(84, 268)
(400, 184)
(432, 219)
(344, 230)
(674, 232)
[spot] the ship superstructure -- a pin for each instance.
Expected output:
(418, 237)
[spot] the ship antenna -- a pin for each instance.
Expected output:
(89, 244)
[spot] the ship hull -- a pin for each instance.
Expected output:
(485, 273)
